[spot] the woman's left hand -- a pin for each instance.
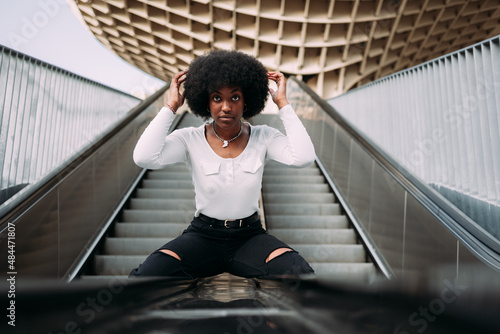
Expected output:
(279, 96)
(176, 98)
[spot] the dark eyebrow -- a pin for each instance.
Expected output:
(234, 90)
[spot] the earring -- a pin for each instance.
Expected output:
(245, 108)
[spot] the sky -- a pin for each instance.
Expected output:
(52, 31)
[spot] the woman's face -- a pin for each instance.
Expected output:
(227, 106)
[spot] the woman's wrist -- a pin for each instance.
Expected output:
(282, 103)
(171, 108)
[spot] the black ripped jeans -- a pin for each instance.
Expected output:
(208, 251)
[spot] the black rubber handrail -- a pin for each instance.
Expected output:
(477, 239)
(30, 196)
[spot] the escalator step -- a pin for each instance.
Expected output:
(299, 198)
(346, 271)
(318, 237)
(148, 230)
(328, 209)
(165, 193)
(311, 221)
(295, 188)
(331, 253)
(163, 216)
(296, 179)
(271, 171)
(117, 264)
(133, 246)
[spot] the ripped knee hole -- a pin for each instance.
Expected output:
(171, 253)
(277, 252)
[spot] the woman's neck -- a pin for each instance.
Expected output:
(228, 133)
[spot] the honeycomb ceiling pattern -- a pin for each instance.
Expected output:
(333, 45)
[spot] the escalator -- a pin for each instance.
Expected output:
(300, 209)
(308, 209)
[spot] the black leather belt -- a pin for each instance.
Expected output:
(230, 223)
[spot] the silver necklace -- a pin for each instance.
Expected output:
(226, 142)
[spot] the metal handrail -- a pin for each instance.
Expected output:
(48, 114)
(62, 70)
(440, 120)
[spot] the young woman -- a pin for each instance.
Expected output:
(226, 157)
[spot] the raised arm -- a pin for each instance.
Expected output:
(155, 149)
(295, 148)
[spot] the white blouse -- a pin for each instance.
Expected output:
(226, 188)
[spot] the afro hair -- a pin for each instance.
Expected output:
(222, 68)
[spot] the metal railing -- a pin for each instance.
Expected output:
(441, 121)
(59, 224)
(47, 116)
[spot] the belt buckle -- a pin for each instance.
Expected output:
(232, 220)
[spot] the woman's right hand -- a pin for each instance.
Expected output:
(278, 96)
(176, 98)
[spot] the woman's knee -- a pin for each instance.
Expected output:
(276, 253)
(171, 253)
(160, 263)
(289, 262)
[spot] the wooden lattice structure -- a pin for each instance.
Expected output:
(333, 45)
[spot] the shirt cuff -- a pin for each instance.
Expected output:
(288, 106)
(166, 109)
(288, 109)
